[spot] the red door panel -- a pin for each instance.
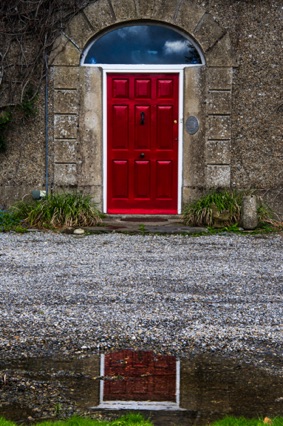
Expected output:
(120, 127)
(142, 143)
(120, 178)
(163, 181)
(139, 376)
(142, 179)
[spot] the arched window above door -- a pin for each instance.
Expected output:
(142, 44)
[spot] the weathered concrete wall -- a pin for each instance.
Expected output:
(237, 98)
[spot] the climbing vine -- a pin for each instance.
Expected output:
(28, 30)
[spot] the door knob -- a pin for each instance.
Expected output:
(142, 154)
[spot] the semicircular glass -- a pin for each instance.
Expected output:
(142, 44)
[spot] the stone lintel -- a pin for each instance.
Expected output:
(208, 32)
(99, 15)
(188, 16)
(221, 54)
(219, 127)
(218, 152)
(79, 30)
(65, 126)
(124, 9)
(218, 176)
(219, 102)
(64, 52)
(159, 9)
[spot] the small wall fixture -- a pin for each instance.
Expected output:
(37, 194)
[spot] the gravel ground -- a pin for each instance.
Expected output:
(69, 295)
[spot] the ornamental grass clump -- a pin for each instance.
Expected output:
(66, 210)
(216, 209)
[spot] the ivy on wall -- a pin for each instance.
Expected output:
(27, 33)
(25, 110)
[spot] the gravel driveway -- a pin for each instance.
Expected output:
(66, 295)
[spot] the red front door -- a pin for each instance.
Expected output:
(139, 376)
(142, 143)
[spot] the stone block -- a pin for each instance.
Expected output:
(66, 101)
(219, 102)
(65, 77)
(64, 52)
(218, 176)
(65, 174)
(79, 30)
(221, 54)
(159, 10)
(218, 152)
(65, 151)
(219, 127)
(194, 145)
(189, 14)
(65, 126)
(100, 15)
(124, 9)
(219, 78)
(90, 130)
(190, 195)
(208, 32)
(96, 193)
(249, 212)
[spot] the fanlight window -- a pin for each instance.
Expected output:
(142, 44)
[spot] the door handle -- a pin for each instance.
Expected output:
(142, 118)
(142, 154)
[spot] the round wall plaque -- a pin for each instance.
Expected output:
(192, 125)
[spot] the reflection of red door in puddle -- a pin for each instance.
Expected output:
(142, 143)
(139, 376)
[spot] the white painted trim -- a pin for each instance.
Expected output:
(142, 68)
(177, 69)
(104, 139)
(102, 371)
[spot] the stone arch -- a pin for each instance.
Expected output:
(78, 95)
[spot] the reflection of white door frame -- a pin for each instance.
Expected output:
(179, 69)
(138, 405)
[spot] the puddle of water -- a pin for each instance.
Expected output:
(191, 391)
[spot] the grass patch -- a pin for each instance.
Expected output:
(58, 211)
(242, 421)
(221, 211)
(10, 222)
(131, 419)
(216, 209)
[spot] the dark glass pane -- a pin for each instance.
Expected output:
(142, 44)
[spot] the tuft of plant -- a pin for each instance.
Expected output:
(10, 222)
(242, 421)
(66, 210)
(216, 209)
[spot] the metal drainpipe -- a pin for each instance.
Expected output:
(46, 126)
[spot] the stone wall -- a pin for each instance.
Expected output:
(236, 97)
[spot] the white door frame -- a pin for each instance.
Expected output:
(146, 69)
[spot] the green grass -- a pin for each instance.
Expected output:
(10, 222)
(221, 210)
(66, 210)
(134, 419)
(242, 421)
(217, 208)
